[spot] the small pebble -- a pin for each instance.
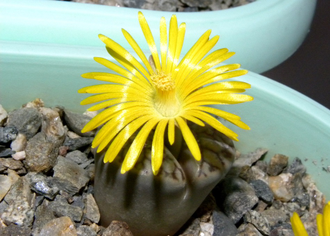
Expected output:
(3, 115)
(19, 143)
(8, 134)
(277, 164)
(59, 227)
(18, 156)
(26, 120)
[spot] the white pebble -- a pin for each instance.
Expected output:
(3, 115)
(19, 143)
(72, 135)
(207, 229)
(18, 156)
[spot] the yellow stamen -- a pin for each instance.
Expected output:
(166, 102)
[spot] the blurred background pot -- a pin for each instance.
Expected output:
(61, 38)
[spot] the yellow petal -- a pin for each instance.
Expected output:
(214, 123)
(110, 103)
(172, 43)
(189, 138)
(198, 55)
(221, 98)
(179, 44)
(220, 87)
(106, 115)
(210, 61)
(138, 50)
(187, 116)
(211, 76)
(297, 226)
(123, 136)
(112, 66)
(326, 220)
(225, 115)
(187, 58)
(157, 149)
(122, 52)
(319, 221)
(163, 42)
(150, 39)
(117, 123)
(171, 131)
(99, 97)
(135, 149)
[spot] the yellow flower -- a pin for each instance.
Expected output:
(161, 93)
(323, 223)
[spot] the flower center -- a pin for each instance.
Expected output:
(165, 100)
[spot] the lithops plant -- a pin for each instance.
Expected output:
(159, 128)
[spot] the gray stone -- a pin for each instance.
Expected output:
(65, 186)
(303, 199)
(248, 230)
(78, 200)
(5, 184)
(283, 230)
(52, 125)
(86, 164)
(117, 228)
(84, 230)
(262, 165)
(236, 197)
(15, 230)
(77, 157)
(250, 158)
(20, 201)
(6, 152)
(43, 215)
(61, 207)
(197, 3)
(71, 172)
(274, 216)
(161, 5)
(26, 120)
(8, 134)
(296, 167)
(42, 185)
(3, 207)
(12, 164)
(76, 122)
(258, 220)
(134, 3)
(223, 226)
(252, 173)
(59, 227)
(42, 150)
(277, 163)
(262, 191)
(92, 211)
(77, 143)
(193, 229)
(40, 153)
(91, 171)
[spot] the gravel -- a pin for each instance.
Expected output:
(54, 196)
(172, 5)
